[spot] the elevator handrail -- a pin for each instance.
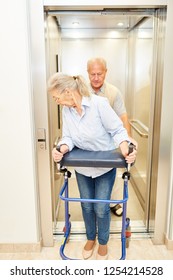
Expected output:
(142, 134)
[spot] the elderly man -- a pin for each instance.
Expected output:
(97, 70)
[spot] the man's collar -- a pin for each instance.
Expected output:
(101, 90)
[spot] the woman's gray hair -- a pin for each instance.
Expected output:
(62, 81)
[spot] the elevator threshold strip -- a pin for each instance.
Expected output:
(78, 231)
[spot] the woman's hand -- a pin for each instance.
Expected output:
(58, 155)
(134, 142)
(130, 158)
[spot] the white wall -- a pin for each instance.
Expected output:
(18, 199)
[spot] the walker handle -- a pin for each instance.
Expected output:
(58, 148)
(131, 147)
(59, 165)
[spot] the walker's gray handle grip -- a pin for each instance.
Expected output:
(58, 148)
(59, 165)
(59, 162)
(131, 147)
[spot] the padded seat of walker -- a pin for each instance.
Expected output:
(84, 158)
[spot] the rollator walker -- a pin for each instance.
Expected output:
(105, 159)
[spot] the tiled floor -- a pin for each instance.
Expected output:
(138, 250)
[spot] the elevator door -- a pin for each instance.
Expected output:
(139, 101)
(143, 100)
(135, 48)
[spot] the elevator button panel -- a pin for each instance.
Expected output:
(41, 138)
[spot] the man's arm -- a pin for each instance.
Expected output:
(126, 123)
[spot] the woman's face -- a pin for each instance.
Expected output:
(64, 98)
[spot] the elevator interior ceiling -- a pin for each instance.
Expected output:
(104, 23)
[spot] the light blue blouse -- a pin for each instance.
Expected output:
(97, 129)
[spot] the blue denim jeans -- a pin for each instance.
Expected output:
(96, 215)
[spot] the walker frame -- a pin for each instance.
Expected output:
(78, 157)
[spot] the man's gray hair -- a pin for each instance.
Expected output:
(99, 60)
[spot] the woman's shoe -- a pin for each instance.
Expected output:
(88, 253)
(104, 252)
(101, 258)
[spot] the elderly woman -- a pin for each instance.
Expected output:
(90, 123)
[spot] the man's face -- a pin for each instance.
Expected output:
(97, 74)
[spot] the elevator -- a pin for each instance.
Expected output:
(132, 42)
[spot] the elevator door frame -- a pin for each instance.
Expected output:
(147, 211)
(146, 14)
(37, 26)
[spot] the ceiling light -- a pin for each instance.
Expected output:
(75, 23)
(120, 24)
